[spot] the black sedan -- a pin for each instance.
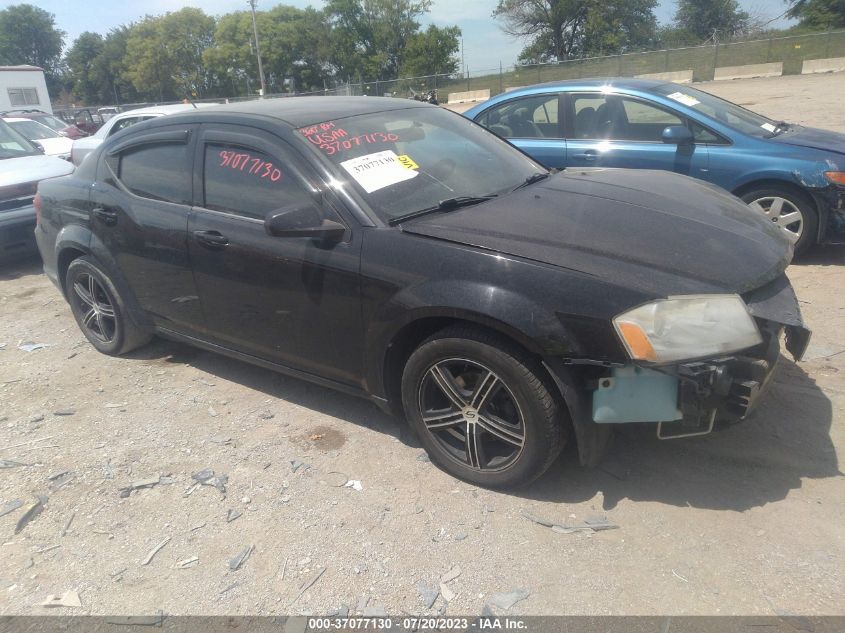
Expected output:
(397, 251)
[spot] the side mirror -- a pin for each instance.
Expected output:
(303, 220)
(677, 135)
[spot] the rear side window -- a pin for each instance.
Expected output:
(159, 172)
(248, 182)
(127, 122)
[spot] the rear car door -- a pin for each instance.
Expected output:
(139, 216)
(294, 301)
(532, 124)
(611, 130)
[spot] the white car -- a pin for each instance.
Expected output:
(22, 166)
(84, 146)
(53, 143)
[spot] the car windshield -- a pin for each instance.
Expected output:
(724, 112)
(12, 144)
(53, 122)
(408, 160)
(33, 130)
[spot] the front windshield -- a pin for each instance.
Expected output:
(725, 112)
(13, 144)
(33, 130)
(53, 122)
(404, 161)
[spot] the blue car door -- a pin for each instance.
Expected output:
(612, 130)
(532, 124)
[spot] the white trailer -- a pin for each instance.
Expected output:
(23, 88)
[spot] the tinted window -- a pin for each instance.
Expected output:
(159, 172)
(248, 182)
(127, 122)
(531, 117)
(612, 117)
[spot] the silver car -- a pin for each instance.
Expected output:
(84, 146)
(22, 166)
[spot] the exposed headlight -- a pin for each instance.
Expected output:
(836, 177)
(687, 327)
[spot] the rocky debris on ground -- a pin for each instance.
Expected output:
(508, 599)
(596, 524)
(206, 477)
(236, 563)
(67, 599)
(34, 509)
(139, 484)
(149, 557)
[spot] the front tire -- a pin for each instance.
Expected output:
(482, 407)
(793, 212)
(99, 309)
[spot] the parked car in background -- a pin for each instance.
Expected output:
(86, 119)
(51, 121)
(108, 112)
(396, 251)
(793, 175)
(53, 143)
(22, 166)
(83, 147)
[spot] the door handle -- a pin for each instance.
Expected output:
(106, 216)
(211, 239)
(587, 155)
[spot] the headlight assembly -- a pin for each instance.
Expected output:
(687, 327)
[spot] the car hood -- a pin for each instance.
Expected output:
(650, 230)
(24, 169)
(56, 146)
(813, 137)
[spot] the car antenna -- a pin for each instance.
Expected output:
(186, 101)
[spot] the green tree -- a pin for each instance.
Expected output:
(28, 35)
(82, 63)
(369, 37)
(713, 20)
(432, 52)
(562, 29)
(294, 50)
(164, 54)
(818, 14)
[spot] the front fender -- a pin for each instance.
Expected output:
(538, 329)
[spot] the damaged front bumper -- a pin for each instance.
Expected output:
(687, 399)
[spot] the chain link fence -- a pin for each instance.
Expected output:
(792, 51)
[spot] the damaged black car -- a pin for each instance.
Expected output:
(397, 251)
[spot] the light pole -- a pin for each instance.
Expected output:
(257, 48)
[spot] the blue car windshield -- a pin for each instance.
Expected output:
(724, 112)
(403, 161)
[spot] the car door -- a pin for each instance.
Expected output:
(294, 301)
(611, 130)
(532, 124)
(139, 214)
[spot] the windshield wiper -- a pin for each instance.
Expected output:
(444, 205)
(535, 177)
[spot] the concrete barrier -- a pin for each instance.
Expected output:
(829, 65)
(513, 88)
(749, 71)
(469, 97)
(675, 76)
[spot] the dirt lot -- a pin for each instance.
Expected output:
(748, 521)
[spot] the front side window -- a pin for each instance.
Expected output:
(158, 172)
(412, 159)
(248, 182)
(127, 122)
(530, 117)
(613, 117)
(13, 144)
(23, 96)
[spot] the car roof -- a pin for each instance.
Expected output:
(161, 109)
(17, 119)
(300, 111)
(631, 83)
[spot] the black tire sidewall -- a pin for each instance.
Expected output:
(804, 205)
(88, 266)
(536, 453)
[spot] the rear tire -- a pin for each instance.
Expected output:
(780, 206)
(483, 408)
(99, 309)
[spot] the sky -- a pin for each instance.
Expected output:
(484, 43)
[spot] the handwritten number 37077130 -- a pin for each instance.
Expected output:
(241, 161)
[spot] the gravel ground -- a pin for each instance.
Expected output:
(748, 521)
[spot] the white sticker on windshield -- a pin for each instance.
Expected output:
(768, 127)
(377, 171)
(684, 99)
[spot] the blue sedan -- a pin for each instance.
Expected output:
(794, 175)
